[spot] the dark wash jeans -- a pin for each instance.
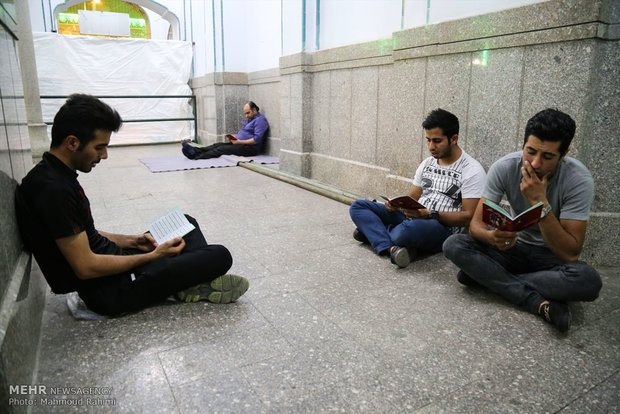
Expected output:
(385, 229)
(198, 263)
(525, 275)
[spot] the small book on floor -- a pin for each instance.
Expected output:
(170, 225)
(499, 218)
(404, 201)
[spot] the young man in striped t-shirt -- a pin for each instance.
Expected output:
(449, 183)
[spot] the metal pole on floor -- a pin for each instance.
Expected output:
(306, 184)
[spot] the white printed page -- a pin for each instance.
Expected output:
(170, 225)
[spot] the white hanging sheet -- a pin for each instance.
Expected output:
(104, 66)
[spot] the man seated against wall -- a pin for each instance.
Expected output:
(112, 273)
(448, 183)
(248, 142)
(536, 268)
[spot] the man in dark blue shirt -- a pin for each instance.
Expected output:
(248, 142)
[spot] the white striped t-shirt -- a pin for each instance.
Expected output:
(445, 187)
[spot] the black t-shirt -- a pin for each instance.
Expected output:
(50, 205)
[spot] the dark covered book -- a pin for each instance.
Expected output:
(404, 201)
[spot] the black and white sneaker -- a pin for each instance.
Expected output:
(556, 313)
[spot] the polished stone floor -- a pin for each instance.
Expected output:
(326, 324)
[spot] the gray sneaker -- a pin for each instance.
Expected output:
(402, 256)
(224, 289)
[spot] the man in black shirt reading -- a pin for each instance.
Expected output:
(112, 273)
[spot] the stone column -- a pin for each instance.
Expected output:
(220, 98)
(37, 130)
(296, 114)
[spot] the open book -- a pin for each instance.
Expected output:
(170, 225)
(500, 219)
(404, 201)
(231, 137)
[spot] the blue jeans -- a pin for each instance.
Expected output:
(525, 275)
(385, 229)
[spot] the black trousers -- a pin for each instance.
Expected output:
(224, 148)
(145, 285)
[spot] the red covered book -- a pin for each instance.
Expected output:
(499, 218)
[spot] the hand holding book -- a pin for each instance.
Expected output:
(404, 202)
(170, 225)
(499, 218)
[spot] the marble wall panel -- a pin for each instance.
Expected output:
(396, 184)
(340, 106)
(12, 163)
(558, 76)
(539, 16)
(358, 178)
(267, 97)
(294, 162)
(301, 111)
(320, 112)
(306, 113)
(601, 245)
(448, 87)
(602, 125)
(364, 89)
(296, 106)
(400, 115)
(220, 111)
(285, 111)
(493, 128)
(235, 96)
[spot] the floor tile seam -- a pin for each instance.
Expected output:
(325, 345)
(168, 383)
(242, 377)
(301, 380)
(219, 334)
(529, 366)
(586, 392)
(224, 371)
(276, 327)
(289, 385)
(257, 301)
(343, 331)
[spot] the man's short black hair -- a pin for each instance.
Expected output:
(253, 106)
(81, 115)
(444, 120)
(551, 125)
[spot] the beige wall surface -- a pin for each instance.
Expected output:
(351, 116)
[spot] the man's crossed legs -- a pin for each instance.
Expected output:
(525, 275)
(391, 233)
(198, 273)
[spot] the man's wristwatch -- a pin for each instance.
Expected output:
(546, 210)
(433, 215)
